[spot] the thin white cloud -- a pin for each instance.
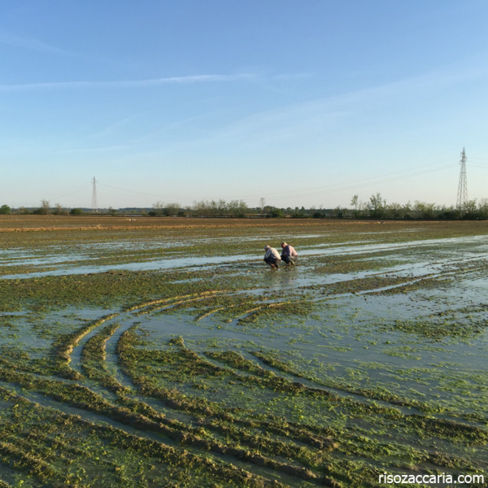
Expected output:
(287, 120)
(292, 121)
(145, 83)
(114, 126)
(291, 76)
(29, 43)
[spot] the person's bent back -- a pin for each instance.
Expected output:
(272, 257)
(288, 253)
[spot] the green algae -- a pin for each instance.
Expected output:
(259, 378)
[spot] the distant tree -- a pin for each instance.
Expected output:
(355, 205)
(76, 211)
(5, 210)
(220, 208)
(355, 202)
(59, 210)
(470, 210)
(157, 209)
(395, 211)
(483, 209)
(376, 205)
(276, 212)
(172, 209)
(448, 213)
(236, 208)
(44, 209)
(299, 213)
(407, 211)
(319, 214)
(423, 210)
(339, 213)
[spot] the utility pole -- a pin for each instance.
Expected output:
(94, 203)
(462, 193)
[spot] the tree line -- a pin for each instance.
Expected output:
(376, 207)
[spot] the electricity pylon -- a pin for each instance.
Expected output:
(462, 193)
(94, 203)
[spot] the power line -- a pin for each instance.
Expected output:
(130, 190)
(478, 166)
(80, 190)
(359, 183)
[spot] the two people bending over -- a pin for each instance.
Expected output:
(272, 257)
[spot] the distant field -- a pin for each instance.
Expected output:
(12, 222)
(148, 352)
(31, 222)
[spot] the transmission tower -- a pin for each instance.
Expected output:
(94, 203)
(462, 193)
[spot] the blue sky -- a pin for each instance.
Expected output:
(302, 103)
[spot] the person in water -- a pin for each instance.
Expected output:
(272, 257)
(288, 253)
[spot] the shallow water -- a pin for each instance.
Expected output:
(398, 328)
(443, 245)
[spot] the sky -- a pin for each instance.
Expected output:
(302, 103)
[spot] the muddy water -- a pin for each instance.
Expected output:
(398, 328)
(58, 262)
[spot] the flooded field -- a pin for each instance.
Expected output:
(164, 352)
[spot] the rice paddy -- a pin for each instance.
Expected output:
(163, 352)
